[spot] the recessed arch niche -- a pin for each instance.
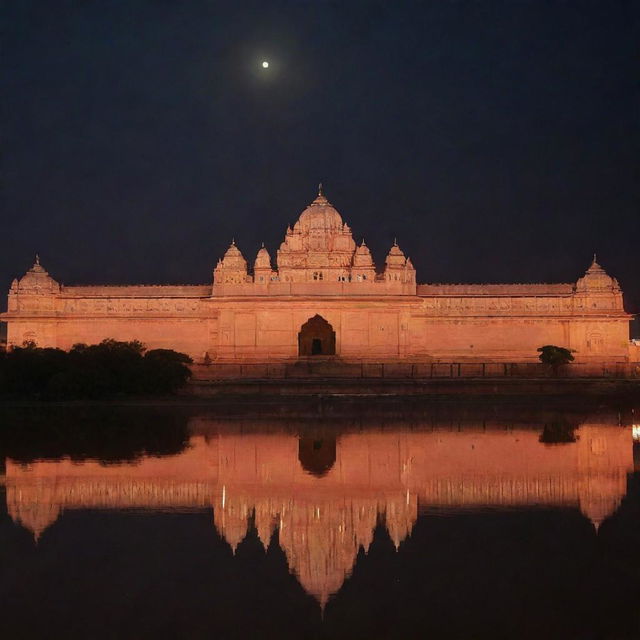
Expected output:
(316, 338)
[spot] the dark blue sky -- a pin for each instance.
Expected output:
(499, 141)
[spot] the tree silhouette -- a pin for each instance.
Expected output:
(103, 370)
(554, 356)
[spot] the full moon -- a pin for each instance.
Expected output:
(265, 64)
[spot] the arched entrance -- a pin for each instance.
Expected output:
(316, 338)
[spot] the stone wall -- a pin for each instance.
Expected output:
(242, 317)
(248, 328)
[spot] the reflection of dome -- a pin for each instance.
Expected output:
(322, 559)
(321, 540)
(320, 214)
(400, 516)
(232, 521)
(598, 508)
(35, 514)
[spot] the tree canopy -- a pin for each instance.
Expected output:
(555, 356)
(103, 370)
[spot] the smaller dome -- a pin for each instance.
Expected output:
(362, 256)
(263, 259)
(395, 257)
(233, 258)
(232, 251)
(37, 280)
(596, 278)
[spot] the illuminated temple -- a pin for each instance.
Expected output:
(326, 297)
(322, 501)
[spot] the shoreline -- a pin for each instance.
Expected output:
(456, 388)
(266, 392)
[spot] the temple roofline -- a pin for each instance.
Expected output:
(524, 288)
(152, 290)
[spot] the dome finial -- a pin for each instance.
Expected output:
(595, 267)
(321, 199)
(37, 258)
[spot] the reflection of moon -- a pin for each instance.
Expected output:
(265, 64)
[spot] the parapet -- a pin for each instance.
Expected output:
(535, 289)
(139, 290)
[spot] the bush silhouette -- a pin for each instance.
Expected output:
(555, 356)
(92, 371)
(165, 370)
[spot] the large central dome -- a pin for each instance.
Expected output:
(320, 214)
(319, 247)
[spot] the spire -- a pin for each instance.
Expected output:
(594, 263)
(321, 199)
(596, 278)
(595, 267)
(263, 259)
(37, 267)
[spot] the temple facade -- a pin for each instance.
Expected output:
(325, 297)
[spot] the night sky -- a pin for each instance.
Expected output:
(499, 141)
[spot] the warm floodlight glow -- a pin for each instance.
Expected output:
(265, 64)
(635, 431)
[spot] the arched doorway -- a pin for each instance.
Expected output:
(316, 338)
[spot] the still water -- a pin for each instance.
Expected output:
(325, 521)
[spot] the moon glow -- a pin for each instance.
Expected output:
(265, 64)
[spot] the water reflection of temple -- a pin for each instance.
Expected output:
(325, 494)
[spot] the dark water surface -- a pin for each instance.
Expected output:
(325, 520)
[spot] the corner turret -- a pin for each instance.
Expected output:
(399, 268)
(232, 269)
(596, 279)
(35, 291)
(596, 290)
